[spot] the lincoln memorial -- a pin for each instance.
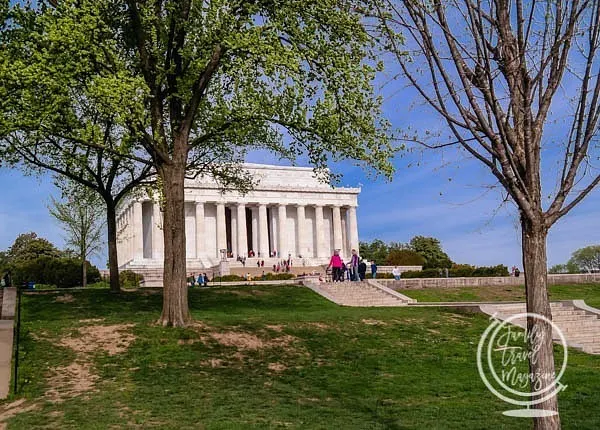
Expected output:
(289, 212)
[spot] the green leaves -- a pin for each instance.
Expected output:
(294, 76)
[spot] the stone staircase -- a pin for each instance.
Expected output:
(366, 293)
(579, 323)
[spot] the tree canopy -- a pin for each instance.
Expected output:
(190, 87)
(28, 246)
(587, 259)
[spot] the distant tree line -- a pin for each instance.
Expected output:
(584, 260)
(35, 259)
(426, 252)
(420, 251)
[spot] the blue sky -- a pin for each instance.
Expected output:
(434, 193)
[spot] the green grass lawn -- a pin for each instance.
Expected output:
(268, 357)
(588, 292)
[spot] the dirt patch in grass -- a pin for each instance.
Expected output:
(318, 325)
(91, 320)
(112, 339)
(79, 377)
(240, 340)
(277, 367)
(65, 298)
(372, 322)
(13, 409)
(70, 381)
(213, 362)
(275, 327)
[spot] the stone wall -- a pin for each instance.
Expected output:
(388, 269)
(485, 282)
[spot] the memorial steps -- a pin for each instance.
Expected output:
(367, 293)
(579, 323)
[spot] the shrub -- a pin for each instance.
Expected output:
(499, 270)
(404, 257)
(278, 276)
(227, 278)
(383, 276)
(61, 272)
(459, 271)
(425, 273)
(130, 279)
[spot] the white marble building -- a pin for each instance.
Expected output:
(288, 212)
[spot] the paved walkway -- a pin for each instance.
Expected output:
(8, 298)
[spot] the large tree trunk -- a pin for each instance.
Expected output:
(175, 291)
(113, 261)
(541, 361)
(84, 272)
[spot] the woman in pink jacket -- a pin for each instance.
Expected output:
(336, 265)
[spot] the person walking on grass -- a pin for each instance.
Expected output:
(335, 263)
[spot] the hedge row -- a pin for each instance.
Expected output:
(268, 277)
(62, 272)
(459, 272)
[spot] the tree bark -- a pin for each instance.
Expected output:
(175, 291)
(113, 261)
(84, 272)
(541, 362)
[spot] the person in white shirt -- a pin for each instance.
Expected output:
(396, 272)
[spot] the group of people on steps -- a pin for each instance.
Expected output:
(354, 270)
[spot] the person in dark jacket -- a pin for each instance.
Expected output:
(373, 269)
(362, 270)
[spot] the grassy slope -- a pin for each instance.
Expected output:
(588, 292)
(415, 370)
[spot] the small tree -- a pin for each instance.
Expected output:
(81, 215)
(28, 246)
(404, 257)
(431, 250)
(493, 72)
(376, 250)
(587, 259)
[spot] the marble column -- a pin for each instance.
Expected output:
(352, 228)
(319, 232)
(138, 232)
(221, 231)
(157, 233)
(200, 230)
(282, 221)
(301, 231)
(337, 229)
(254, 212)
(345, 250)
(242, 233)
(233, 230)
(263, 231)
(130, 228)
